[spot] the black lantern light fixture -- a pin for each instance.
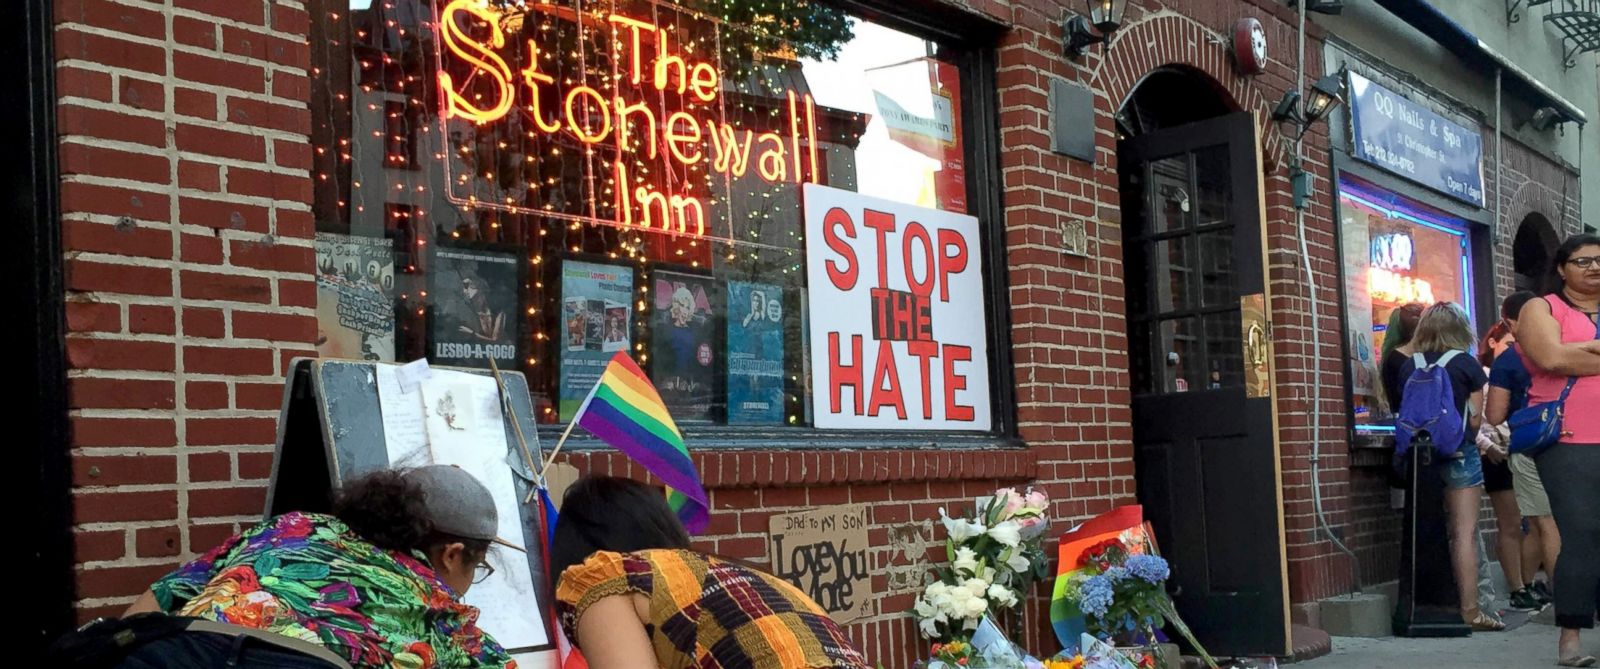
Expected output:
(1325, 94)
(1094, 26)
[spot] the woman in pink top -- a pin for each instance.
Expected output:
(1557, 336)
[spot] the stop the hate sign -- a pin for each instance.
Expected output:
(897, 323)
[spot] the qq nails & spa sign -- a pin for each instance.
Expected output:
(617, 113)
(897, 317)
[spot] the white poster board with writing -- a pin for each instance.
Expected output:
(897, 321)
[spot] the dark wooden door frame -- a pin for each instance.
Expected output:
(1260, 415)
(31, 183)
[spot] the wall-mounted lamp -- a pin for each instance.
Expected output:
(1325, 94)
(1094, 26)
(1321, 6)
(1545, 118)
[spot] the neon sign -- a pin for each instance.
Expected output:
(1392, 287)
(1394, 251)
(628, 127)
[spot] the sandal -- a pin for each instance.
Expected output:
(1578, 661)
(1483, 622)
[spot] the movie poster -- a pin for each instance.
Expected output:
(477, 315)
(682, 350)
(355, 297)
(596, 322)
(755, 354)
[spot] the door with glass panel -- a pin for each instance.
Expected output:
(1199, 351)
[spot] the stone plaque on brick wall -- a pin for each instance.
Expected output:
(825, 553)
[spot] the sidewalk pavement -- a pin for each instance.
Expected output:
(1529, 646)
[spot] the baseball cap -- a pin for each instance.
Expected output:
(456, 503)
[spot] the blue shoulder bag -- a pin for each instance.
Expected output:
(1538, 427)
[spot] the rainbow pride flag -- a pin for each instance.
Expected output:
(625, 410)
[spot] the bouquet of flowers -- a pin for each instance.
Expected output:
(1120, 588)
(994, 557)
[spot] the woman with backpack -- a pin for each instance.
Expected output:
(1440, 374)
(1558, 335)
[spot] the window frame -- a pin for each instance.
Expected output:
(976, 59)
(1484, 306)
(971, 39)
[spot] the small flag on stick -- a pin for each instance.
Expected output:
(625, 411)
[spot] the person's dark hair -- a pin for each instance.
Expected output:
(1564, 253)
(606, 513)
(1510, 308)
(388, 511)
(1402, 326)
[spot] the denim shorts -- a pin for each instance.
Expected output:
(1465, 470)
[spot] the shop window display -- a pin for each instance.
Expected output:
(1395, 252)
(544, 184)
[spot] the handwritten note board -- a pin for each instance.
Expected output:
(343, 419)
(825, 552)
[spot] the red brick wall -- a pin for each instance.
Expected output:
(185, 205)
(187, 218)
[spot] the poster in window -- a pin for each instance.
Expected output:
(476, 296)
(596, 322)
(755, 354)
(898, 328)
(682, 344)
(355, 297)
(1361, 347)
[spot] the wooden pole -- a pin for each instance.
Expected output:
(505, 405)
(563, 440)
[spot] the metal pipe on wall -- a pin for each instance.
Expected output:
(1500, 165)
(1316, 333)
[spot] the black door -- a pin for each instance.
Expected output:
(1203, 421)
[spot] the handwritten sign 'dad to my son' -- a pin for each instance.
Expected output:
(824, 552)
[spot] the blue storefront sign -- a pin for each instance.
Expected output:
(1412, 141)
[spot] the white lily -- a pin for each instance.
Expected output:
(1018, 562)
(1008, 533)
(960, 529)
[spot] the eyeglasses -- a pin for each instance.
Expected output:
(1586, 262)
(482, 573)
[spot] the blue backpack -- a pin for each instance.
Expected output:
(1430, 414)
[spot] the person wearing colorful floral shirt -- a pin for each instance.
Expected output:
(378, 583)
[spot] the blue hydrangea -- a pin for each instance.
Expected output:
(1148, 568)
(1095, 596)
(1117, 574)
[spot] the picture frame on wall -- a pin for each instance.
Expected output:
(596, 321)
(685, 320)
(476, 306)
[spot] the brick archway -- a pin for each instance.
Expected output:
(1166, 39)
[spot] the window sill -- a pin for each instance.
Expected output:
(735, 458)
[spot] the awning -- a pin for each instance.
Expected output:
(1517, 82)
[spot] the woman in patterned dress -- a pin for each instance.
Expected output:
(632, 594)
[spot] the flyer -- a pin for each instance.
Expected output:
(477, 312)
(596, 321)
(682, 348)
(355, 297)
(755, 354)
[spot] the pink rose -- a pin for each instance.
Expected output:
(1013, 501)
(1036, 499)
